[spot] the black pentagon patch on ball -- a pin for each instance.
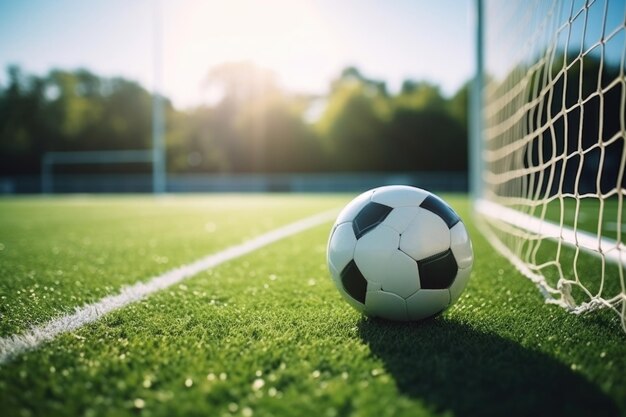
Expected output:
(440, 208)
(369, 217)
(354, 282)
(437, 272)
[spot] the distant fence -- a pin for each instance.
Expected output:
(330, 182)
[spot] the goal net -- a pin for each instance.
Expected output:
(551, 183)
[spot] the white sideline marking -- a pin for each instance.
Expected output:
(13, 345)
(610, 249)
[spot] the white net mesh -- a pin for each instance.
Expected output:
(553, 156)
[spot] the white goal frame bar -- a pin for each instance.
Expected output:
(591, 243)
(50, 159)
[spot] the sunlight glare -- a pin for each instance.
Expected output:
(286, 37)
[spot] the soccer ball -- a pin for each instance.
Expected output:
(399, 253)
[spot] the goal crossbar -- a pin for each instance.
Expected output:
(50, 159)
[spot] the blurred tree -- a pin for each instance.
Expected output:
(74, 100)
(459, 104)
(243, 88)
(578, 119)
(352, 127)
(426, 140)
(424, 134)
(254, 126)
(291, 143)
(191, 143)
(69, 111)
(351, 75)
(419, 96)
(25, 123)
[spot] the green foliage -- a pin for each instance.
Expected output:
(459, 104)
(69, 111)
(254, 126)
(576, 109)
(424, 131)
(353, 127)
(420, 96)
(366, 129)
(23, 122)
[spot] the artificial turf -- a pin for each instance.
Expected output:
(589, 214)
(268, 335)
(59, 253)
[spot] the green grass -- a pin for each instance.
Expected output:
(268, 335)
(59, 253)
(589, 214)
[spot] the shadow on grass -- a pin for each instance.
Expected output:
(454, 367)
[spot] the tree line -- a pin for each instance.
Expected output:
(254, 126)
(577, 125)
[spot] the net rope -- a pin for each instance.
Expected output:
(553, 152)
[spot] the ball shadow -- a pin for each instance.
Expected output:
(453, 367)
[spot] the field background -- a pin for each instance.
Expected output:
(267, 334)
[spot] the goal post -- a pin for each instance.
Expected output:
(475, 119)
(549, 145)
(52, 159)
(156, 156)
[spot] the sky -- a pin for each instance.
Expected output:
(171, 45)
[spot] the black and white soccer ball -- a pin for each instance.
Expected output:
(400, 253)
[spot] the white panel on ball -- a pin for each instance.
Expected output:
(350, 211)
(402, 276)
(385, 305)
(427, 235)
(400, 218)
(459, 284)
(373, 251)
(461, 245)
(341, 246)
(425, 303)
(399, 196)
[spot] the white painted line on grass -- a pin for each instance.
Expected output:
(13, 345)
(609, 249)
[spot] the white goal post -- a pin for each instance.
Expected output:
(549, 145)
(52, 159)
